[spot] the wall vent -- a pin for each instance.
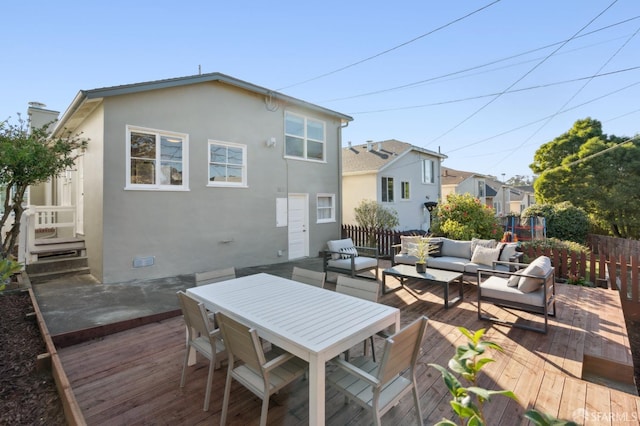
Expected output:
(141, 262)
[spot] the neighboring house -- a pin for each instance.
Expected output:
(396, 174)
(522, 197)
(202, 172)
(503, 198)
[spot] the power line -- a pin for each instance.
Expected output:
(470, 98)
(573, 96)
(424, 81)
(384, 52)
(523, 76)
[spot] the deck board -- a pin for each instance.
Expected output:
(132, 377)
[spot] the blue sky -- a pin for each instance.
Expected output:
(485, 88)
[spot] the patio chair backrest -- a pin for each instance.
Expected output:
(306, 276)
(402, 350)
(241, 342)
(367, 290)
(217, 275)
(195, 315)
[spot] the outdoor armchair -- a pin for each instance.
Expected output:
(344, 257)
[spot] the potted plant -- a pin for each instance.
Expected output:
(421, 251)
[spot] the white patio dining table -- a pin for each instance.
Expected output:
(312, 323)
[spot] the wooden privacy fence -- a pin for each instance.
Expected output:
(613, 262)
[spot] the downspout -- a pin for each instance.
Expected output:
(342, 126)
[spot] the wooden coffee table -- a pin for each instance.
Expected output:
(438, 276)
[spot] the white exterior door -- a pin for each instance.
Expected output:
(80, 196)
(298, 220)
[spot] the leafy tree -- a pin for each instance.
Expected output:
(463, 217)
(370, 214)
(595, 172)
(564, 221)
(29, 157)
(519, 180)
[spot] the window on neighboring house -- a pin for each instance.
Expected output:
(498, 207)
(227, 164)
(156, 159)
(304, 137)
(428, 171)
(481, 187)
(405, 192)
(326, 208)
(387, 190)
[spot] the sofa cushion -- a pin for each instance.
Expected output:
(405, 240)
(454, 248)
(405, 259)
(485, 256)
(507, 250)
(476, 242)
(497, 288)
(336, 245)
(515, 279)
(540, 267)
(360, 263)
(450, 263)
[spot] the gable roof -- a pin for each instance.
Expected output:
(87, 100)
(455, 177)
(359, 159)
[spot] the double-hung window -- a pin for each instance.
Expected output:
(428, 170)
(387, 189)
(227, 164)
(326, 208)
(156, 159)
(405, 190)
(304, 137)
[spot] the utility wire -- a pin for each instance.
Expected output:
(544, 118)
(523, 76)
(384, 52)
(417, 83)
(470, 98)
(543, 125)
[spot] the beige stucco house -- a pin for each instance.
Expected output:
(196, 173)
(400, 176)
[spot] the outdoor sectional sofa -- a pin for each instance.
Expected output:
(459, 256)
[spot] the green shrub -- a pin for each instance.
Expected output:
(563, 221)
(555, 244)
(463, 217)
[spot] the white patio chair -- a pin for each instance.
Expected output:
(262, 373)
(201, 338)
(367, 290)
(380, 386)
(217, 275)
(308, 277)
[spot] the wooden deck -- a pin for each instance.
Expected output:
(132, 377)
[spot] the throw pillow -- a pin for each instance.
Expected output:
(405, 240)
(540, 266)
(508, 250)
(475, 242)
(435, 248)
(484, 255)
(348, 251)
(514, 279)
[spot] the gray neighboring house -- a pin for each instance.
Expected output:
(396, 174)
(202, 172)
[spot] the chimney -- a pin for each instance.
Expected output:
(379, 146)
(349, 144)
(369, 145)
(446, 172)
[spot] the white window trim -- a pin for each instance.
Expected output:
(432, 172)
(306, 139)
(333, 208)
(244, 183)
(384, 189)
(157, 187)
(402, 182)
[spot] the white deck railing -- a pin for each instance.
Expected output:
(46, 222)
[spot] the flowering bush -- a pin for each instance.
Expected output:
(463, 217)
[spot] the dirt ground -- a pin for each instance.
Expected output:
(27, 397)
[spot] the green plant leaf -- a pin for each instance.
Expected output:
(475, 421)
(481, 362)
(466, 332)
(445, 422)
(543, 419)
(463, 411)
